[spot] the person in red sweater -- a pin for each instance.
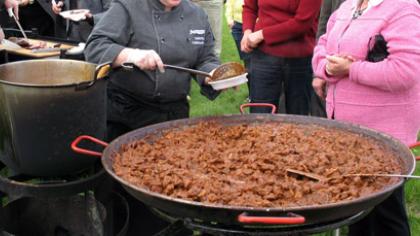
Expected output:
(280, 35)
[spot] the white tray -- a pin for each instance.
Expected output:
(229, 83)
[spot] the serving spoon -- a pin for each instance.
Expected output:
(321, 178)
(224, 71)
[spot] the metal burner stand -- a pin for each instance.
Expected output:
(215, 229)
(17, 186)
(38, 203)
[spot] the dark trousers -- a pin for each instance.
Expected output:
(126, 113)
(387, 218)
(317, 105)
(33, 17)
(237, 35)
(270, 74)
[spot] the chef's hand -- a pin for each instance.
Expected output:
(208, 79)
(319, 86)
(145, 59)
(254, 39)
(338, 65)
(57, 7)
(245, 46)
(13, 4)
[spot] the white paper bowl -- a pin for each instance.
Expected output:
(229, 83)
(75, 15)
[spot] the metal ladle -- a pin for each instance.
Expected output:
(324, 179)
(224, 71)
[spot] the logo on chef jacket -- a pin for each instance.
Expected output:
(197, 36)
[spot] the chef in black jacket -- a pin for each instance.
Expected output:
(148, 33)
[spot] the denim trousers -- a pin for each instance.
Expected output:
(270, 76)
(237, 35)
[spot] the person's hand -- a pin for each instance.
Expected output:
(338, 65)
(13, 4)
(88, 15)
(145, 59)
(320, 86)
(255, 38)
(230, 24)
(1, 34)
(245, 46)
(57, 7)
(23, 2)
(208, 79)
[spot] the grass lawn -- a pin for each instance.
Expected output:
(228, 103)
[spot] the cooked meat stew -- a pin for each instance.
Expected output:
(27, 44)
(245, 165)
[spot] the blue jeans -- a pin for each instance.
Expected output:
(237, 35)
(270, 75)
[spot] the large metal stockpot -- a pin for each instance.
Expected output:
(44, 105)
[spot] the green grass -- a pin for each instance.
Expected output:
(412, 191)
(229, 101)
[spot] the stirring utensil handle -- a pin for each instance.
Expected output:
(197, 72)
(387, 175)
(130, 66)
(11, 14)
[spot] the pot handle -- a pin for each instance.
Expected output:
(101, 71)
(291, 219)
(75, 143)
(273, 108)
(414, 145)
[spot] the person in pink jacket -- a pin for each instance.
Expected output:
(383, 95)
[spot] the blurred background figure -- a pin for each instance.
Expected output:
(37, 16)
(233, 15)
(9, 4)
(214, 10)
(78, 30)
(280, 35)
(319, 85)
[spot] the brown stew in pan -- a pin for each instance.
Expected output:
(245, 165)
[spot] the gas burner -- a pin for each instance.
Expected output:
(80, 214)
(180, 225)
(16, 186)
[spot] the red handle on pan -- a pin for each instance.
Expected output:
(292, 219)
(413, 146)
(75, 143)
(273, 108)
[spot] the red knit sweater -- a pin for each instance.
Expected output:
(289, 26)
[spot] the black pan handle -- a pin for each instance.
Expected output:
(290, 219)
(273, 108)
(414, 145)
(77, 149)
